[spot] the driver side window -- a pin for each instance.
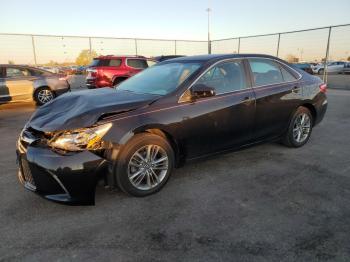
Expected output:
(225, 77)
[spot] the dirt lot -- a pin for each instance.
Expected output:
(266, 203)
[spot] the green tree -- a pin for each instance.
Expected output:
(85, 57)
(348, 59)
(10, 62)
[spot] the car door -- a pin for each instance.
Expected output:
(277, 93)
(19, 82)
(225, 120)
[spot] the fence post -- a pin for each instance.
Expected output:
(175, 47)
(325, 75)
(135, 46)
(278, 44)
(90, 49)
(239, 45)
(34, 53)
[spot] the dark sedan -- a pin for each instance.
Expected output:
(181, 109)
(24, 84)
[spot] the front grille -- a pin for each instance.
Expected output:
(27, 174)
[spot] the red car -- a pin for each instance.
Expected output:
(108, 71)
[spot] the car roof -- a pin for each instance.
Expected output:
(217, 57)
(119, 56)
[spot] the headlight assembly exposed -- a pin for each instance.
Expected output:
(79, 139)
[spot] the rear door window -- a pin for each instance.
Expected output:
(225, 77)
(287, 77)
(265, 72)
(106, 62)
(14, 72)
(115, 62)
(137, 63)
(36, 72)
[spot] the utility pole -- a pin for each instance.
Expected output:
(209, 43)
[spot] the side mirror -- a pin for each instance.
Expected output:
(201, 91)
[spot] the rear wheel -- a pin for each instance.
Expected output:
(43, 95)
(144, 165)
(320, 72)
(300, 128)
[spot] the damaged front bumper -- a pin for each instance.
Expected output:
(66, 178)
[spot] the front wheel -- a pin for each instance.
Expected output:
(300, 128)
(320, 72)
(43, 95)
(144, 165)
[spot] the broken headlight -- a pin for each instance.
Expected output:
(79, 139)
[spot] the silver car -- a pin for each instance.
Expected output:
(25, 83)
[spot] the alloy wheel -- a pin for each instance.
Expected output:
(148, 167)
(45, 96)
(301, 127)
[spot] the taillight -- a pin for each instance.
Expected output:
(92, 72)
(323, 88)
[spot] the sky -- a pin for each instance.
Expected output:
(180, 19)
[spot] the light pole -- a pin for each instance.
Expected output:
(209, 43)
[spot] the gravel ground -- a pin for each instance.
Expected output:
(265, 203)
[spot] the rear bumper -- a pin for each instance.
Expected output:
(69, 179)
(321, 109)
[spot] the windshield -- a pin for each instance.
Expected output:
(159, 79)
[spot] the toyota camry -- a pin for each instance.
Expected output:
(134, 135)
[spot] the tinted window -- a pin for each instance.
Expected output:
(265, 72)
(226, 77)
(16, 72)
(115, 62)
(159, 79)
(36, 72)
(137, 63)
(1, 72)
(287, 77)
(106, 62)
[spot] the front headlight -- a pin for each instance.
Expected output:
(80, 139)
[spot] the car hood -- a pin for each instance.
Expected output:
(84, 108)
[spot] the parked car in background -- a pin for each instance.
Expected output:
(177, 110)
(51, 69)
(346, 69)
(108, 71)
(305, 66)
(25, 83)
(165, 57)
(332, 67)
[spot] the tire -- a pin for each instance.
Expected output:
(125, 170)
(290, 138)
(320, 72)
(43, 95)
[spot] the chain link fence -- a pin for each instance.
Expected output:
(313, 45)
(43, 49)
